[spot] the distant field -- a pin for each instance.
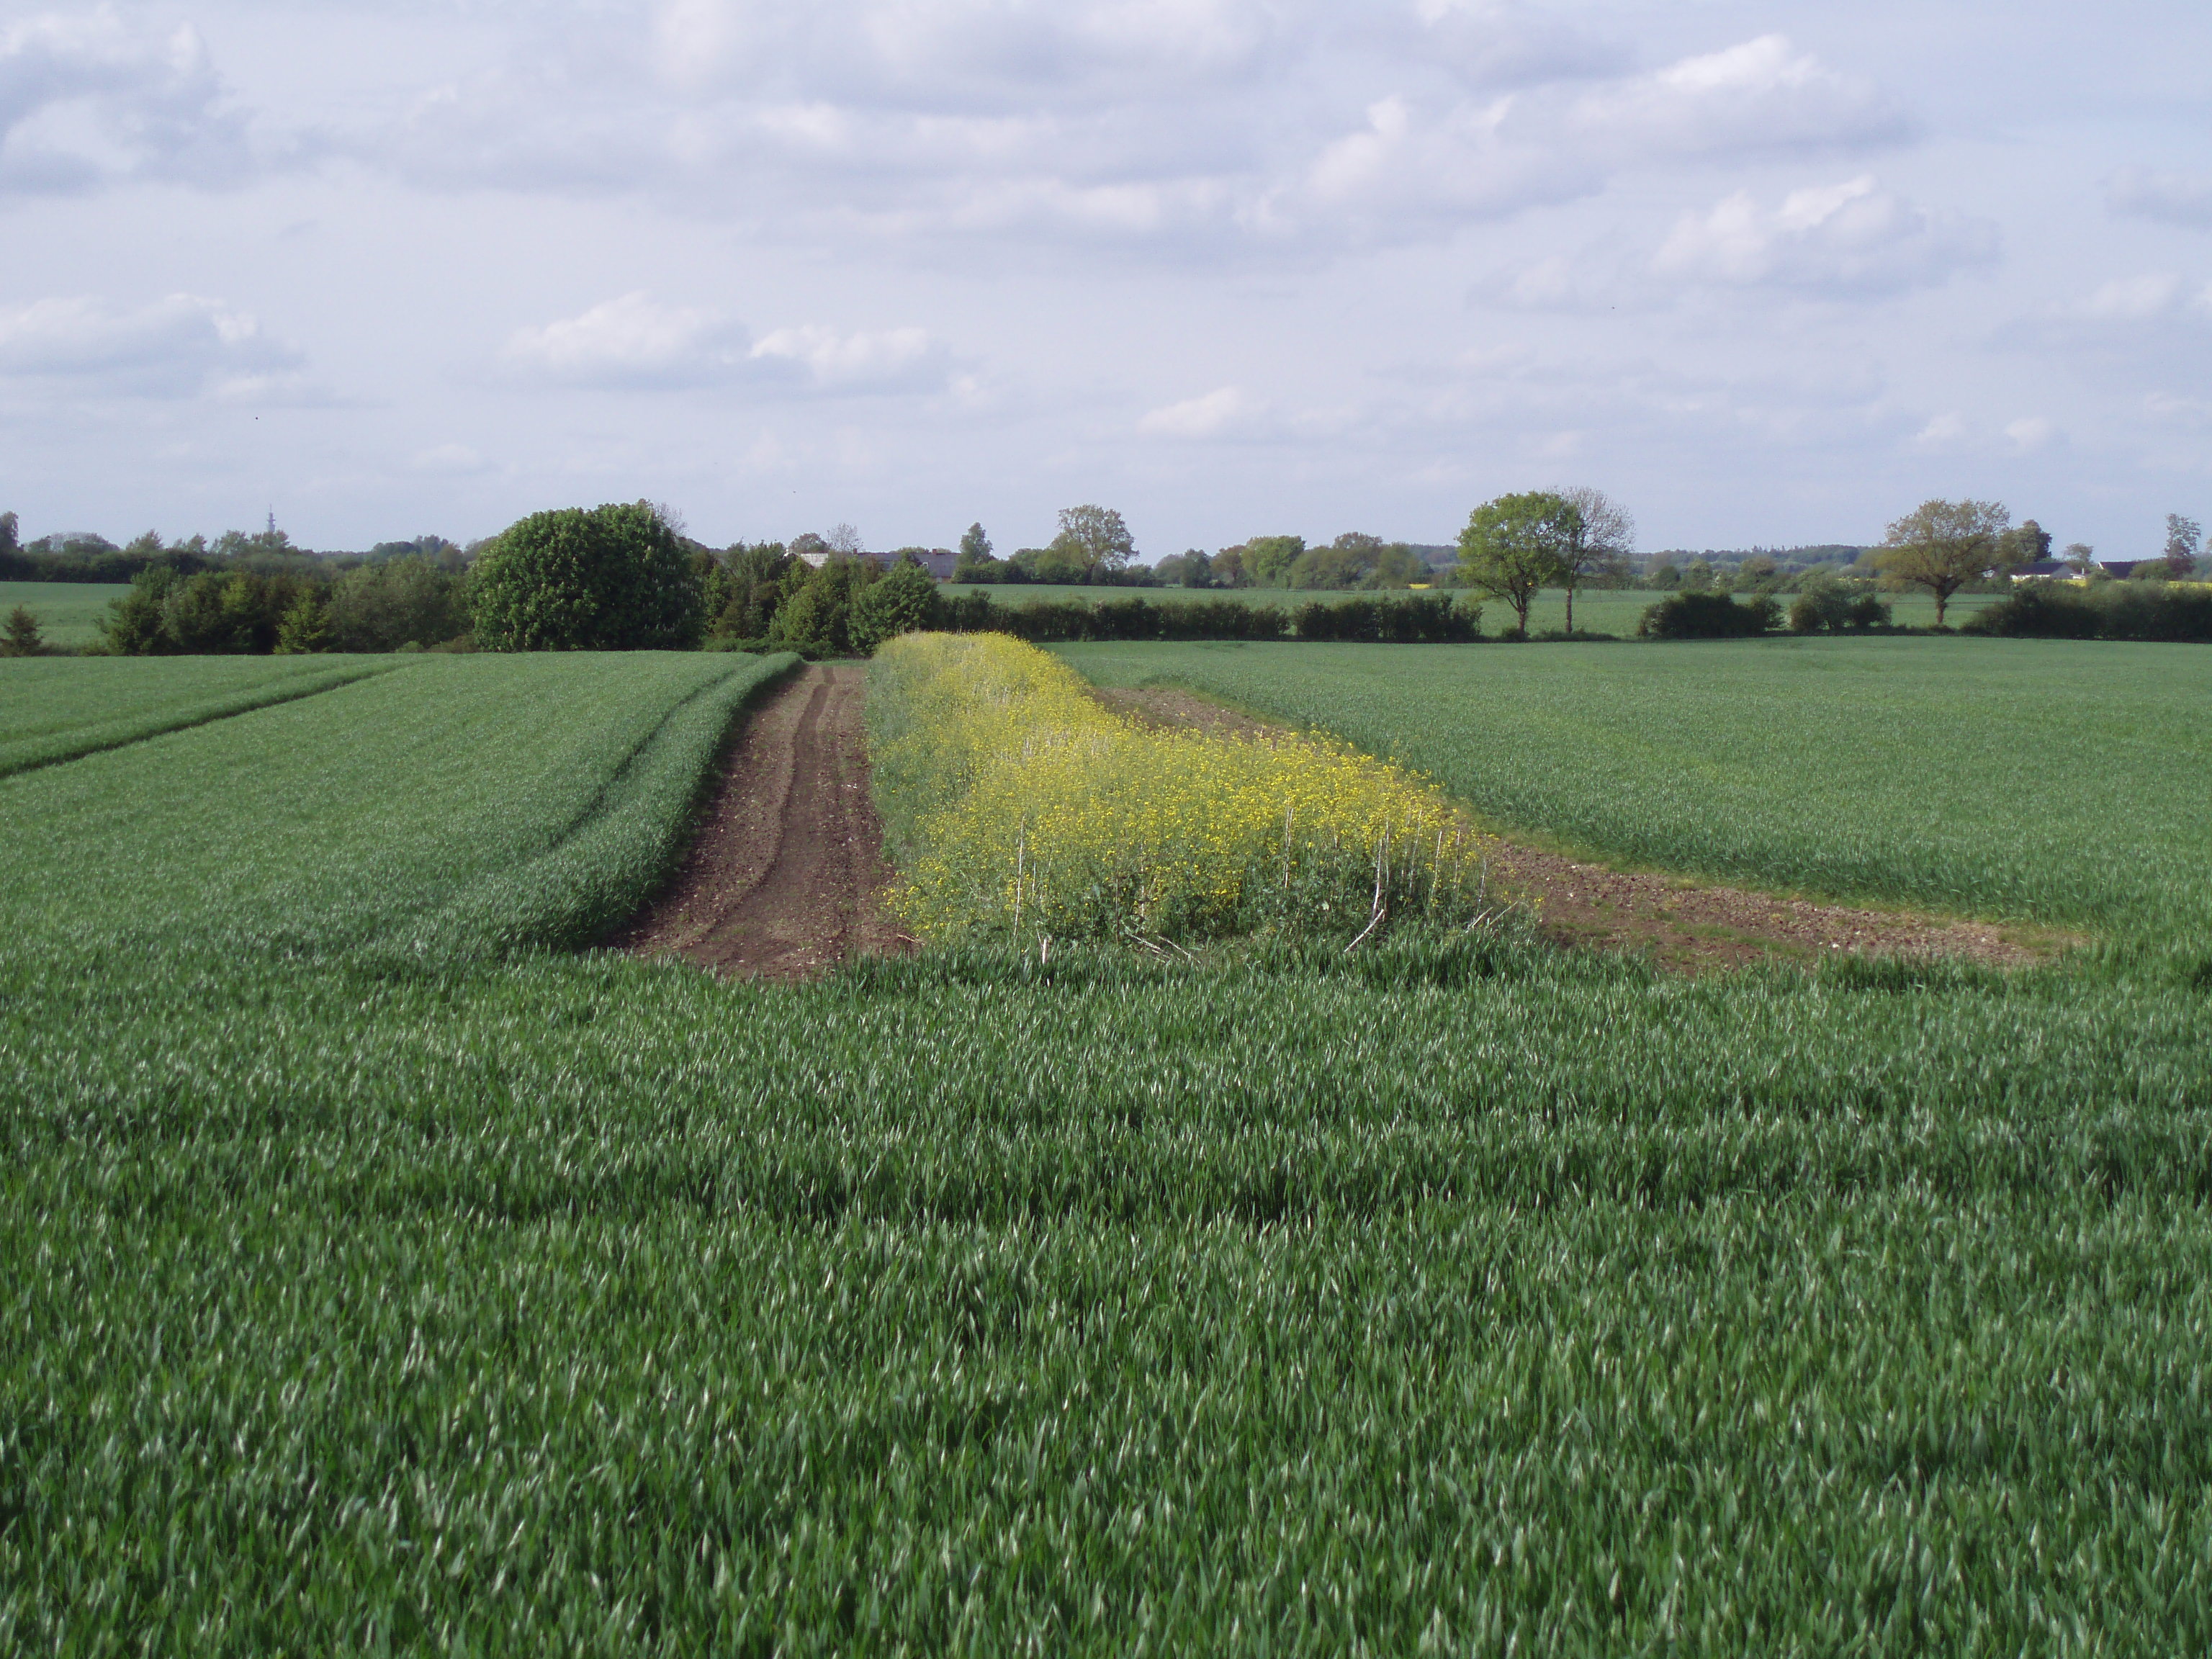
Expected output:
(69, 613)
(1925, 770)
(1597, 610)
(54, 708)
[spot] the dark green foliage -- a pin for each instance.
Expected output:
(611, 578)
(2110, 610)
(21, 637)
(814, 614)
(227, 612)
(408, 600)
(306, 628)
(754, 578)
(1419, 618)
(903, 599)
(1829, 607)
(1690, 615)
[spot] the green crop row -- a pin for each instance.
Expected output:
(462, 805)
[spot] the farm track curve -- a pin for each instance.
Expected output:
(781, 879)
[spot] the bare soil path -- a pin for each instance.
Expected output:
(781, 881)
(1689, 926)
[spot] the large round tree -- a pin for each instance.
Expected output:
(613, 578)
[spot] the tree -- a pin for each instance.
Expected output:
(898, 602)
(10, 542)
(975, 545)
(2029, 545)
(612, 578)
(1098, 535)
(403, 601)
(1605, 536)
(1513, 548)
(1197, 568)
(2182, 538)
(22, 638)
(1941, 546)
(1267, 560)
(2083, 558)
(306, 628)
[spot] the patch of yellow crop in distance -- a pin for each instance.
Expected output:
(1046, 814)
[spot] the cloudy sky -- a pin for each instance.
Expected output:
(1769, 272)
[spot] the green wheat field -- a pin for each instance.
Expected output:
(391, 1271)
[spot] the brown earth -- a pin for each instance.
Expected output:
(1689, 926)
(781, 881)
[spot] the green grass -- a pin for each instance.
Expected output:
(2056, 782)
(383, 1284)
(69, 613)
(1597, 611)
(56, 708)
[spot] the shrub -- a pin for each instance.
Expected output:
(2039, 610)
(396, 602)
(1698, 616)
(2114, 611)
(613, 578)
(306, 628)
(22, 637)
(1830, 607)
(898, 602)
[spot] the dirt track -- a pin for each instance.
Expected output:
(1689, 926)
(781, 881)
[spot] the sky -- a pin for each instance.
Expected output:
(1770, 274)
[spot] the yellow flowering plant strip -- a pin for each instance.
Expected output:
(1018, 805)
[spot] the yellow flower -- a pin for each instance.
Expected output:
(1038, 811)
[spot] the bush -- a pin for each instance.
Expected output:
(1829, 607)
(2039, 610)
(1696, 616)
(613, 578)
(21, 637)
(405, 601)
(898, 602)
(208, 613)
(2114, 611)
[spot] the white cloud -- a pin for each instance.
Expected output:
(88, 100)
(2030, 433)
(894, 359)
(1217, 413)
(1944, 430)
(1762, 95)
(2177, 199)
(2150, 297)
(180, 346)
(1411, 169)
(1850, 237)
(634, 341)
